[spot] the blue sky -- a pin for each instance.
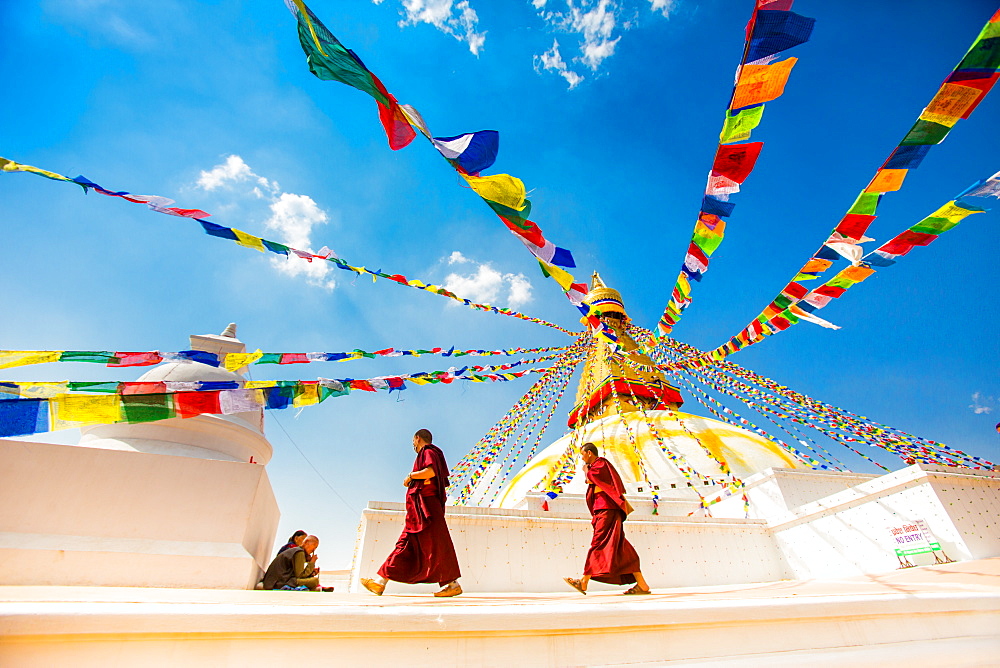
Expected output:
(613, 138)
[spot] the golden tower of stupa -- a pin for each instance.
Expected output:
(608, 385)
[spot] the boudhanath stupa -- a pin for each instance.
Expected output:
(788, 521)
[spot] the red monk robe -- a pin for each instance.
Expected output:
(424, 551)
(611, 558)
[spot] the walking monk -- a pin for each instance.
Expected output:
(424, 552)
(611, 558)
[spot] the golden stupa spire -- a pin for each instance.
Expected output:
(609, 385)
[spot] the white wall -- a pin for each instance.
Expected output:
(85, 516)
(517, 550)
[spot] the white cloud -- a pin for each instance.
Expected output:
(663, 6)
(292, 217)
(456, 257)
(596, 23)
(489, 286)
(234, 170)
(552, 60)
(457, 19)
(981, 404)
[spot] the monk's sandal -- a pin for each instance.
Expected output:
(372, 586)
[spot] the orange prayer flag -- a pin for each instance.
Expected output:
(816, 264)
(856, 274)
(761, 83)
(886, 180)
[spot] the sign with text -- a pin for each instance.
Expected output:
(914, 538)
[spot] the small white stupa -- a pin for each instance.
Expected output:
(183, 502)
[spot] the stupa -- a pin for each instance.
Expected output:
(181, 502)
(631, 413)
(771, 517)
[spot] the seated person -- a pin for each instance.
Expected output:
(295, 541)
(295, 567)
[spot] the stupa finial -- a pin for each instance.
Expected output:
(596, 282)
(229, 331)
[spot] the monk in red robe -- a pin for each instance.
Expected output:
(611, 558)
(424, 552)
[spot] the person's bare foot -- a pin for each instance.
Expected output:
(372, 586)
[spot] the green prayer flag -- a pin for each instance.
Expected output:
(147, 407)
(865, 204)
(738, 127)
(925, 132)
(269, 358)
(98, 357)
(934, 225)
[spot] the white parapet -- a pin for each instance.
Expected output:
(89, 516)
(506, 550)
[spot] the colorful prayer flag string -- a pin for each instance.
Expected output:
(962, 91)
(469, 153)
(234, 361)
(246, 240)
(771, 30)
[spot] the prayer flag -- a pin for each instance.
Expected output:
(473, 152)
(20, 417)
(775, 31)
(77, 410)
(738, 126)
(736, 161)
(500, 188)
(13, 358)
(761, 83)
(330, 60)
(886, 180)
(191, 404)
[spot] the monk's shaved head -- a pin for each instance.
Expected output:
(424, 435)
(589, 447)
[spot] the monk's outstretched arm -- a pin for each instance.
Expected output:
(423, 474)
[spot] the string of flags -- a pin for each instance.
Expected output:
(246, 240)
(233, 361)
(772, 28)
(962, 91)
(468, 153)
(35, 407)
(796, 303)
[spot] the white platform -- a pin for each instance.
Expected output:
(933, 616)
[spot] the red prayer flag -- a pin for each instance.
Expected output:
(143, 387)
(362, 385)
(397, 128)
(293, 358)
(190, 404)
(854, 225)
(736, 161)
(136, 359)
(829, 291)
(795, 290)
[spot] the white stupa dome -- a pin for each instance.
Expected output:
(686, 437)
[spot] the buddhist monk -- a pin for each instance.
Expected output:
(611, 558)
(424, 552)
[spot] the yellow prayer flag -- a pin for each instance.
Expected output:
(13, 358)
(76, 410)
(887, 180)
(762, 83)
(258, 384)
(560, 276)
(236, 361)
(11, 166)
(248, 240)
(951, 211)
(44, 390)
(952, 100)
(500, 188)
(309, 396)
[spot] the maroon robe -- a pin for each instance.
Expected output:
(424, 551)
(611, 558)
